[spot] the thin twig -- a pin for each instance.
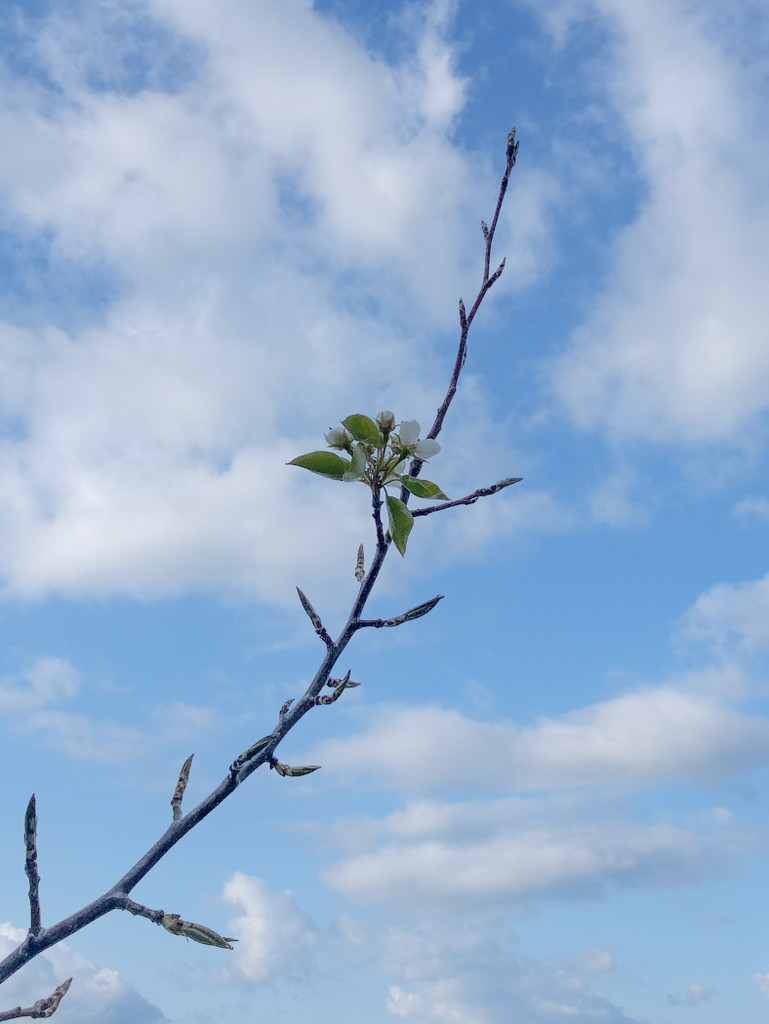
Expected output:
(42, 1008)
(466, 319)
(30, 866)
(469, 499)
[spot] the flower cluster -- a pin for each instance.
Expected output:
(380, 452)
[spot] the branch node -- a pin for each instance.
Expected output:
(250, 754)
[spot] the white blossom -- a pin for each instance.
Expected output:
(338, 437)
(408, 432)
(427, 448)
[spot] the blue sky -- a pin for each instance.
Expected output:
(223, 228)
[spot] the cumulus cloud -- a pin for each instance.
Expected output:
(529, 863)
(674, 349)
(96, 994)
(651, 735)
(273, 931)
(254, 195)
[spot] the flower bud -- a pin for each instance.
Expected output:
(338, 437)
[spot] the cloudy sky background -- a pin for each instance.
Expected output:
(225, 227)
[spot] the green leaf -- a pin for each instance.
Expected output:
(362, 428)
(401, 521)
(324, 463)
(421, 488)
(357, 465)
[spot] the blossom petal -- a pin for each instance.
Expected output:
(427, 448)
(408, 432)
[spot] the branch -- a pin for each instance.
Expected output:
(398, 620)
(470, 499)
(117, 898)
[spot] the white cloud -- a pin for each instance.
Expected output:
(266, 217)
(696, 993)
(674, 349)
(753, 508)
(273, 932)
(96, 993)
(504, 868)
(651, 735)
(731, 614)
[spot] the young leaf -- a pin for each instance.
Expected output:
(414, 613)
(401, 521)
(357, 465)
(422, 488)
(323, 463)
(362, 428)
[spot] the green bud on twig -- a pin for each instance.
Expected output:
(414, 613)
(249, 754)
(287, 769)
(197, 932)
(181, 785)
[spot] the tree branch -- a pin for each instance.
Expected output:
(38, 938)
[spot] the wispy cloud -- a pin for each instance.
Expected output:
(29, 706)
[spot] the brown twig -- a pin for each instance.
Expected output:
(466, 319)
(42, 1008)
(30, 866)
(469, 499)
